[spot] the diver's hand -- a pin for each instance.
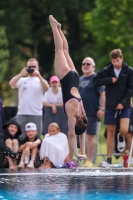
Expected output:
(82, 157)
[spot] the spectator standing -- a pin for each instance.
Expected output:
(93, 98)
(118, 79)
(30, 97)
(53, 97)
(53, 106)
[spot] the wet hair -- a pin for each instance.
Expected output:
(116, 53)
(81, 126)
(55, 125)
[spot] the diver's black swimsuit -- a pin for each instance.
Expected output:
(67, 82)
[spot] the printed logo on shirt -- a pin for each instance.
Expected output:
(24, 86)
(84, 83)
(58, 99)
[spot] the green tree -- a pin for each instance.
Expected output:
(4, 57)
(4, 53)
(29, 32)
(111, 23)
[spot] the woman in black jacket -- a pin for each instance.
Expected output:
(9, 144)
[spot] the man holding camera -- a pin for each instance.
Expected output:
(30, 95)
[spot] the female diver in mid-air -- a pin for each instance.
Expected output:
(69, 78)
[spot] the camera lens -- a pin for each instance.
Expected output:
(30, 70)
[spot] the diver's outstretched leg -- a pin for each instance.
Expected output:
(61, 65)
(66, 50)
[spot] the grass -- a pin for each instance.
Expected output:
(102, 148)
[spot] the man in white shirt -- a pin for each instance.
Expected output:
(30, 95)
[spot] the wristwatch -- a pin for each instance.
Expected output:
(103, 109)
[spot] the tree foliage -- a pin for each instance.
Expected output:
(92, 27)
(30, 35)
(112, 26)
(4, 53)
(4, 56)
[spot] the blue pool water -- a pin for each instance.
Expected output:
(66, 184)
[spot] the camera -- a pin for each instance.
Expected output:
(30, 70)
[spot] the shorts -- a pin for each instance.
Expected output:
(113, 116)
(92, 125)
(11, 137)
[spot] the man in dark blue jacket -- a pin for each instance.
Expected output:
(118, 79)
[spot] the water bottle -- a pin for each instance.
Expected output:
(125, 160)
(116, 165)
(26, 159)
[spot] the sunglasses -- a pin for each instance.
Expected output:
(31, 67)
(88, 64)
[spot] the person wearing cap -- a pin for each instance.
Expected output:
(9, 143)
(30, 94)
(29, 146)
(53, 97)
(53, 106)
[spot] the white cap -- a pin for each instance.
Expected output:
(30, 126)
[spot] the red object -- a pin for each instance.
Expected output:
(125, 158)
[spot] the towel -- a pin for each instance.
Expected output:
(55, 148)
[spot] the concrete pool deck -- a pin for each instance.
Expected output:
(95, 171)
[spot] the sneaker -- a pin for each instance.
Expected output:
(21, 165)
(121, 144)
(70, 165)
(88, 163)
(105, 164)
(30, 165)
